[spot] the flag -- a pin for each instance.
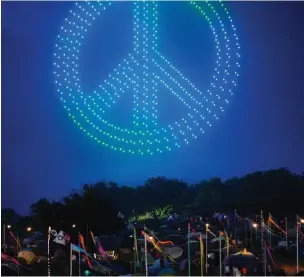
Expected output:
(79, 249)
(12, 235)
(18, 244)
(9, 258)
(81, 239)
(15, 239)
(93, 238)
(101, 251)
(227, 244)
(202, 254)
(299, 222)
(60, 238)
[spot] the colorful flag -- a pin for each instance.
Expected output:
(81, 238)
(101, 251)
(202, 254)
(78, 249)
(227, 244)
(93, 238)
(60, 238)
(9, 258)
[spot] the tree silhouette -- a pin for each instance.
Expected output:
(9, 216)
(85, 209)
(95, 207)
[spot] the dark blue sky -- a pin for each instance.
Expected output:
(45, 155)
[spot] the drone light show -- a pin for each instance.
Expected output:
(144, 72)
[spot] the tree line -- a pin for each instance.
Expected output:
(96, 206)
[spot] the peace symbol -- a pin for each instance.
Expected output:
(59, 236)
(142, 73)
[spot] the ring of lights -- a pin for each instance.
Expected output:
(143, 71)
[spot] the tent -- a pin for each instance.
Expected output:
(172, 251)
(27, 255)
(244, 259)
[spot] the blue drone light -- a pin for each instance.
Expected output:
(141, 73)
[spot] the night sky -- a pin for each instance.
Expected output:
(45, 155)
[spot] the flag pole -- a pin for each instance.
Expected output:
(263, 248)
(135, 249)
(79, 256)
(189, 255)
(49, 239)
(146, 256)
(206, 256)
(297, 244)
(71, 260)
(220, 253)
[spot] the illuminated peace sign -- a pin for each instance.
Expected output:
(142, 73)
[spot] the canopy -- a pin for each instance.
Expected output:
(244, 252)
(27, 255)
(174, 251)
(244, 259)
